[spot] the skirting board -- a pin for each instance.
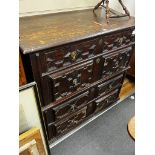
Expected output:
(87, 122)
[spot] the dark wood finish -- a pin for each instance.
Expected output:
(106, 101)
(68, 81)
(67, 124)
(45, 31)
(68, 107)
(131, 71)
(59, 58)
(119, 40)
(109, 85)
(79, 65)
(22, 77)
(116, 61)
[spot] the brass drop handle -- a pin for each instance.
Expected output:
(73, 55)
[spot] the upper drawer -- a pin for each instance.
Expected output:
(116, 62)
(117, 40)
(68, 81)
(62, 57)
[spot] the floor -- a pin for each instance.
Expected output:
(106, 135)
(127, 88)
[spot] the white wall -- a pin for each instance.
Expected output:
(130, 4)
(34, 7)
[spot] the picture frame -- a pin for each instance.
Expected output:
(30, 115)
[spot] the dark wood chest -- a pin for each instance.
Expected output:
(79, 63)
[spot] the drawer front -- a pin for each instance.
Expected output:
(66, 108)
(105, 101)
(62, 127)
(71, 122)
(116, 62)
(117, 40)
(68, 55)
(66, 82)
(107, 86)
(71, 106)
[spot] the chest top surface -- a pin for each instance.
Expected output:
(50, 30)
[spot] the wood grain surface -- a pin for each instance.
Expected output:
(131, 127)
(22, 77)
(31, 134)
(46, 31)
(131, 71)
(127, 88)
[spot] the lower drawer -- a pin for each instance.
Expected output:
(68, 107)
(107, 100)
(110, 85)
(62, 127)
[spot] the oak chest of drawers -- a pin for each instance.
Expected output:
(79, 63)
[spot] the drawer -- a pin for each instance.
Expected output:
(105, 101)
(68, 107)
(117, 40)
(68, 81)
(116, 62)
(70, 122)
(68, 55)
(109, 85)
